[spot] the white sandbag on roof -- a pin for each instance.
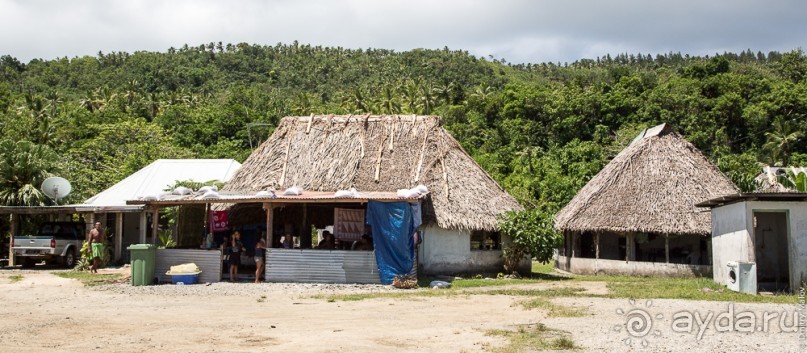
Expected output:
(210, 195)
(352, 193)
(181, 190)
(264, 193)
(293, 191)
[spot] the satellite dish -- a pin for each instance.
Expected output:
(56, 188)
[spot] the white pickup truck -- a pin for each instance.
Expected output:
(55, 241)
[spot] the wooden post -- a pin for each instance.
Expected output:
(13, 232)
(208, 229)
(269, 224)
(305, 236)
(667, 248)
(118, 235)
(90, 221)
(630, 247)
(155, 222)
(574, 244)
(597, 245)
(142, 228)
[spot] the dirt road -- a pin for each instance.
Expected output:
(45, 313)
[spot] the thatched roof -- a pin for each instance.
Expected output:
(378, 153)
(651, 186)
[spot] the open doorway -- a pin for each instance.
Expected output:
(771, 250)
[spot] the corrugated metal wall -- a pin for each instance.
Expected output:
(321, 266)
(209, 261)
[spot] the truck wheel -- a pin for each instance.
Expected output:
(69, 260)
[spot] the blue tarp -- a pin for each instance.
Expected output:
(393, 230)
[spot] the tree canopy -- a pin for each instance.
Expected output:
(541, 130)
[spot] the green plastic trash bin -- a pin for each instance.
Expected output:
(143, 259)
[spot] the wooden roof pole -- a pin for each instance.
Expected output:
(270, 210)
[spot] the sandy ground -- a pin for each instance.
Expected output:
(45, 313)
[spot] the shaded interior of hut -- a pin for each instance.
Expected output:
(647, 247)
(322, 226)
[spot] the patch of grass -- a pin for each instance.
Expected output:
(262, 299)
(408, 294)
(528, 338)
(89, 279)
(669, 288)
(552, 309)
(546, 293)
(689, 289)
(451, 292)
(15, 278)
(474, 283)
(618, 287)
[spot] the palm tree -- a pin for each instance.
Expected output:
(302, 105)
(427, 99)
(24, 166)
(388, 102)
(36, 111)
(482, 93)
(411, 96)
(153, 103)
(356, 102)
(445, 92)
(130, 92)
(781, 140)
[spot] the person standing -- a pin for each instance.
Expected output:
(96, 247)
(260, 258)
(236, 247)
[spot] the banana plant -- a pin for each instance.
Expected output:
(793, 180)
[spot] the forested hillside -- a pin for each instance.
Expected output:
(541, 130)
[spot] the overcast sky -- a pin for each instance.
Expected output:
(515, 30)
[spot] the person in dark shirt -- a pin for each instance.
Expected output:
(365, 243)
(327, 242)
(236, 247)
(260, 258)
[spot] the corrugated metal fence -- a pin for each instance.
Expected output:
(209, 261)
(321, 266)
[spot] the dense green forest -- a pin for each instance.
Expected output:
(541, 130)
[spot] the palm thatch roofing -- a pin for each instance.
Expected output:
(653, 185)
(378, 153)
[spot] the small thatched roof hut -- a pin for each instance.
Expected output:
(651, 186)
(378, 153)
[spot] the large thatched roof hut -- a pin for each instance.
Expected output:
(373, 153)
(377, 153)
(645, 199)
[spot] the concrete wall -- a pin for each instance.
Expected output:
(731, 238)
(584, 266)
(446, 252)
